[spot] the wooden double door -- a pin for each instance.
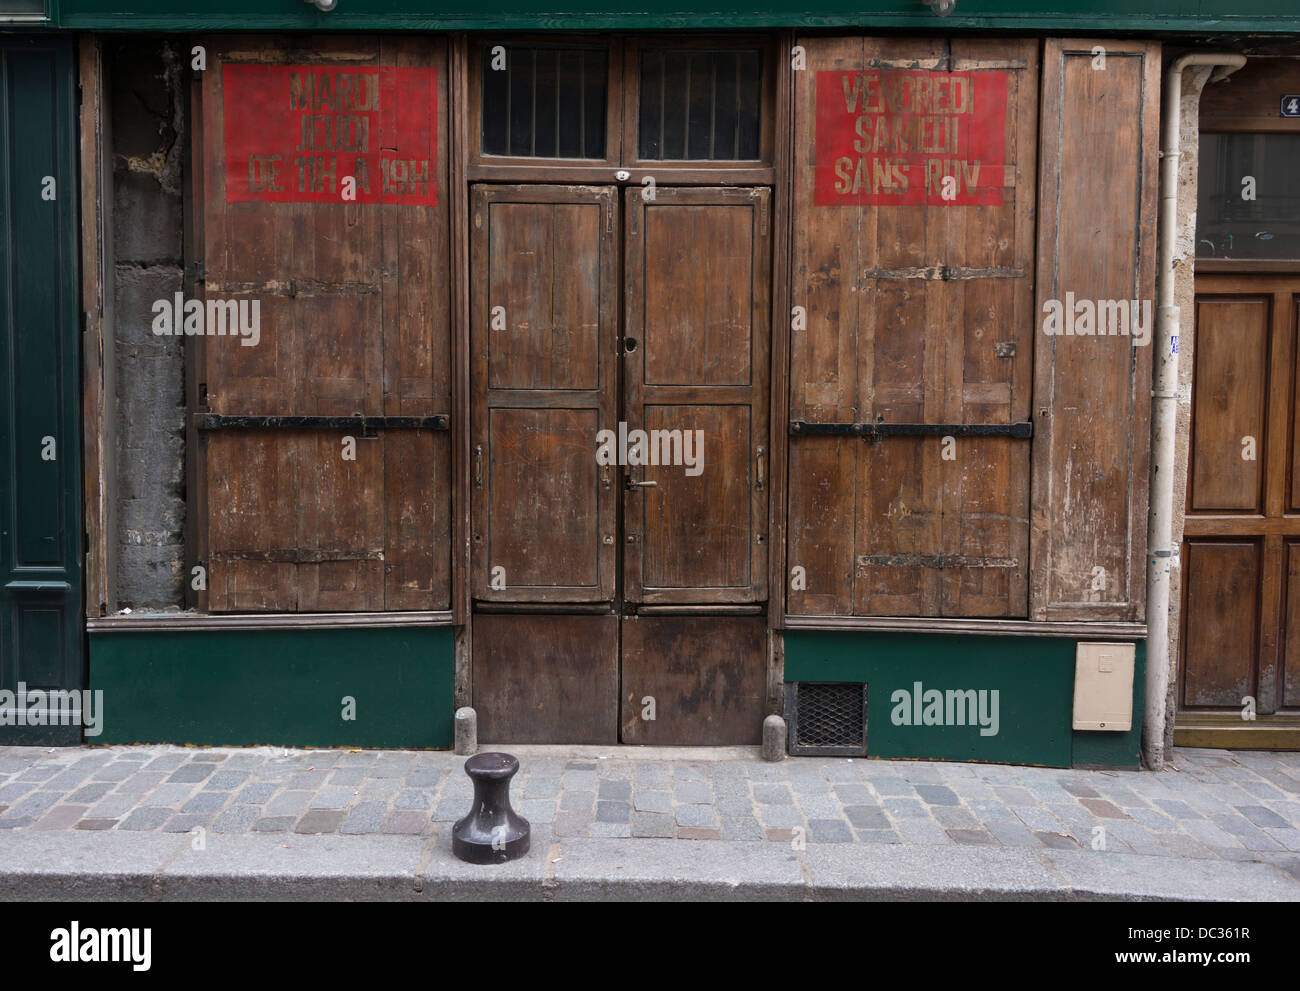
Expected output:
(619, 442)
(1240, 644)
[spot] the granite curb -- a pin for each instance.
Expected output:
(50, 866)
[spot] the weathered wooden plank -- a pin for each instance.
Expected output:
(1092, 439)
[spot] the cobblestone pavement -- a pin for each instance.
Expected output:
(1210, 804)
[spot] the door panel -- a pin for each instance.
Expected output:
(543, 326)
(553, 296)
(697, 326)
(706, 676)
(1221, 609)
(1230, 403)
(546, 679)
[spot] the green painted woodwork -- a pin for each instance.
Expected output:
(1034, 677)
(280, 687)
(994, 15)
(40, 447)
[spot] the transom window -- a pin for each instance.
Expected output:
(580, 105)
(1249, 199)
(544, 102)
(699, 105)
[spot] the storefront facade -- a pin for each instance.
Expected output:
(631, 386)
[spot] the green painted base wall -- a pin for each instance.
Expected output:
(1034, 678)
(281, 687)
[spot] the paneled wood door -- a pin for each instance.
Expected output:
(544, 318)
(696, 298)
(1241, 549)
(695, 363)
(569, 409)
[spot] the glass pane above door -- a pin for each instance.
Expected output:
(544, 101)
(1248, 192)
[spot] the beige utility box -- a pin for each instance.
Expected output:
(1103, 686)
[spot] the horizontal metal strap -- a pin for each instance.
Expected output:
(296, 555)
(1019, 431)
(935, 561)
(219, 421)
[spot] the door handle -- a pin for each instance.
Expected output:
(630, 485)
(758, 468)
(478, 465)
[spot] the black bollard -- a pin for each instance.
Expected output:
(492, 833)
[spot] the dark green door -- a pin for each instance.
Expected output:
(40, 465)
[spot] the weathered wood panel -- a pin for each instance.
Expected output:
(353, 296)
(1220, 616)
(544, 315)
(546, 679)
(693, 681)
(913, 261)
(1096, 246)
(1230, 390)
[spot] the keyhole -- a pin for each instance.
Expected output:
(629, 344)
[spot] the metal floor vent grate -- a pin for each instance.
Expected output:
(827, 718)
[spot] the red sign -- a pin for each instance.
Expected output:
(910, 136)
(330, 134)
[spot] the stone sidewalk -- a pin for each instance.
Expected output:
(1208, 807)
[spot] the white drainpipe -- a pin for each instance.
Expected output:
(1164, 409)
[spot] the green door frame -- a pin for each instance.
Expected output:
(42, 636)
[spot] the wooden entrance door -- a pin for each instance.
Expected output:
(1241, 549)
(570, 409)
(695, 360)
(544, 321)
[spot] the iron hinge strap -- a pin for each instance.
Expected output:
(220, 421)
(1018, 431)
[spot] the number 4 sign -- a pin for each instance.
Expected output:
(1291, 105)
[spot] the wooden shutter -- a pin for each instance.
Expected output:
(1096, 240)
(918, 313)
(355, 315)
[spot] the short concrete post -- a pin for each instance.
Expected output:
(774, 738)
(466, 731)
